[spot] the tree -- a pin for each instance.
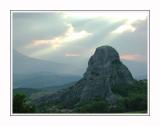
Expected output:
(136, 102)
(20, 104)
(93, 106)
(134, 97)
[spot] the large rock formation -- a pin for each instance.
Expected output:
(104, 71)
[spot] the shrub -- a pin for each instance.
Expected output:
(20, 105)
(94, 106)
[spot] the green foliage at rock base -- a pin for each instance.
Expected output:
(134, 96)
(94, 106)
(130, 99)
(21, 106)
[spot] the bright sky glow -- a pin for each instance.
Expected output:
(132, 57)
(57, 42)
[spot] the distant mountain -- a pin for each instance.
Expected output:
(26, 65)
(35, 73)
(41, 80)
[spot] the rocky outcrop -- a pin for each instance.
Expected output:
(104, 71)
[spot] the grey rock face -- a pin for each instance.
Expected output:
(104, 70)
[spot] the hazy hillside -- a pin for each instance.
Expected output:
(33, 93)
(27, 91)
(35, 73)
(41, 80)
(25, 65)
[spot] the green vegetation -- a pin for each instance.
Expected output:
(115, 62)
(20, 104)
(133, 99)
(134, 96)
(130, 99)
(32, 93)
(26, 91)
(92, 106)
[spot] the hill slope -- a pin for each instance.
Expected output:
(26, 65)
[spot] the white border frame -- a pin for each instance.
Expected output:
(77, 114)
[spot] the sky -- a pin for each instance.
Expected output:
(71, 37)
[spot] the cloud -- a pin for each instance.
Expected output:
(72, 36)
(71, 54)
(49, 29)
(111, 16)
(132, 42)
(69, 36)
(128, 26)
(124, 28)
(52, 44)
(36, 26)
(132, 57)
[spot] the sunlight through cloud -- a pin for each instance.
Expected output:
(124, 28)
(69, 36)
(132, 57)
(71, 54)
